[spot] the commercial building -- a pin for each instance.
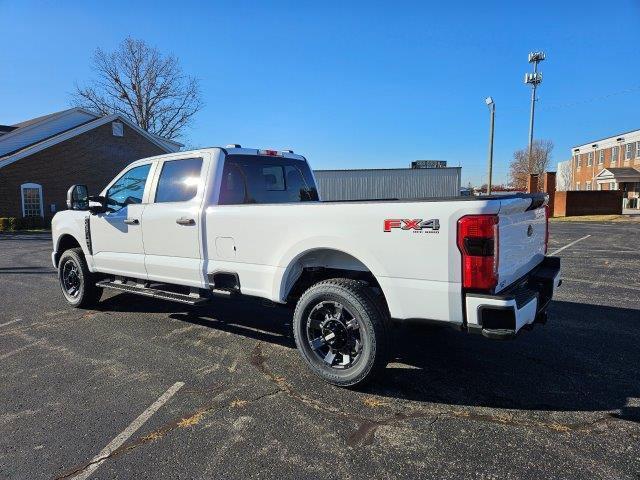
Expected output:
(388, 183)
(40, 158)
(611, 163)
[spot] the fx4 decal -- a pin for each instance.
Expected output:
(416, 225)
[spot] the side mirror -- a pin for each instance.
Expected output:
(78, 197)
(102, 201)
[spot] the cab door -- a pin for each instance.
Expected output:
(172, 222)
(116, 235)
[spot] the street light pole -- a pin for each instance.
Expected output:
(492, 109)
(534, 79)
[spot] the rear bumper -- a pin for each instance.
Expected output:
(519, 306)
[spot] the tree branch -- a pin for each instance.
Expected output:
(143, 85)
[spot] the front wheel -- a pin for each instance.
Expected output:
(341, 331)
(77, 283)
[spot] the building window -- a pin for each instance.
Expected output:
(628, 154)
(613, 186)
(31, 200)
(589, 159)
(614, 155)
(578, 161)
(637, 149)
(577, 185)
(588, 185)
(601, 157)
(117, 128)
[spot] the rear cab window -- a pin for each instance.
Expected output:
(266, 179)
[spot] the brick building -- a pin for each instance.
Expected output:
(42, 157)
(611, 163)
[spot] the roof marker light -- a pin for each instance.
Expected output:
(270, 153)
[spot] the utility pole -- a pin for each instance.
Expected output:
(492, 109)
(534, 79)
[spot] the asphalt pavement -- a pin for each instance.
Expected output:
(220, 392)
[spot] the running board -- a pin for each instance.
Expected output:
(193, 298)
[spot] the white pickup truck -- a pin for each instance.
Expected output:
(191, 225)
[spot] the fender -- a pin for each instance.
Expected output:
(292, 255)
(70, 223)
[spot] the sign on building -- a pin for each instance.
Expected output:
(429, 164)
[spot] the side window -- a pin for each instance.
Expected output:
(128, 188)
(179, 180)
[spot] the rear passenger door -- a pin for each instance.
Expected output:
(171, 222)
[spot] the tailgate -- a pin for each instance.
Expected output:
(522, 235)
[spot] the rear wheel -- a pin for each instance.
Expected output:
(341, 331)
(77, 282)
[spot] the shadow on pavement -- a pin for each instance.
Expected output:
(585, 359)
(27, 271)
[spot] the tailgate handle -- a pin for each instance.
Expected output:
(131, 221)
(185, 221)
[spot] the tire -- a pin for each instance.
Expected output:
(78, 284)
(362, 322)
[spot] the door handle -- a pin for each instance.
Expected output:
(131, 221)
(185, 221)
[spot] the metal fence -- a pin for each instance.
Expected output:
(405, 183)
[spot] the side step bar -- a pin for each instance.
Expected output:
(193, 298)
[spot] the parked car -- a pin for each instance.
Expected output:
(190, 226)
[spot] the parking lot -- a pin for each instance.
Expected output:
(219, 391)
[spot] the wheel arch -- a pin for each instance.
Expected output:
(65, 242)
(321, 263)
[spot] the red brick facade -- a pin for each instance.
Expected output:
(583, 173)
(92, 158)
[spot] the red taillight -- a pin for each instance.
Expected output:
(478, 243)
(547, 212)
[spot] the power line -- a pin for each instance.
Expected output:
(589, 100)
(557, 106)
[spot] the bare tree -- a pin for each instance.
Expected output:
(521, 165)
(564, 177)
(143, 85)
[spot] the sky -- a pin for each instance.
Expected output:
(352, 84)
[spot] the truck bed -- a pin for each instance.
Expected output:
(539, 199)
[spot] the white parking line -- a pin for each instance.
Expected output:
(569, 245)
(127, 432)
(9, 323)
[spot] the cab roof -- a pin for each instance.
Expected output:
(228, 150)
